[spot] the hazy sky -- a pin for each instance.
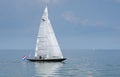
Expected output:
(78, 24)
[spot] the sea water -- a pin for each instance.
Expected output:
(79, 63)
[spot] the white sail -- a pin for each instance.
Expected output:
(47, 45)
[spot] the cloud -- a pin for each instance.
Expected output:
(71, 17)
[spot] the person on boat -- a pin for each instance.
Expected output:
(40, 57)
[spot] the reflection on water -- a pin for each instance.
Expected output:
(46, 69)
(79, 64)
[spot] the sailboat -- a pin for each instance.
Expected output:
(47, 47)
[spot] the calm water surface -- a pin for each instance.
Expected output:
(80, 63)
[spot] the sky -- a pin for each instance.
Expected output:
(78, 24)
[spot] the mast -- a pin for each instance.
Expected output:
(47, 45)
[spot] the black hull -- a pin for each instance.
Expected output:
(46, 60)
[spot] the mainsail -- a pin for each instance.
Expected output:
(47, 46)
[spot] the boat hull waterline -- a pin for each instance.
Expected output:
(46, 60)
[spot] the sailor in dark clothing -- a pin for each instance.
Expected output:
(40, 57)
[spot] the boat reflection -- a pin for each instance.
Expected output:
(46, 69)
